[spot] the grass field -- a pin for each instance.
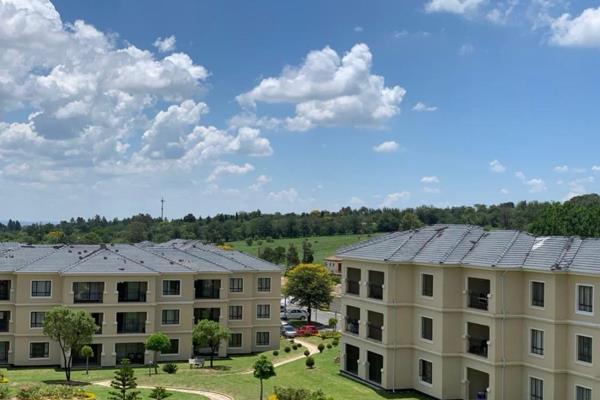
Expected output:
(323, 246)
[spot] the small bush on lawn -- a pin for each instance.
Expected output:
(287, 349)
(159, 393)
(295, 347)
(329, 345)
(306, 353)
(299, 345)
(321, 347)
(310, 362)
(275, 353)
(335, 342)
(292, 341)
(299, 394)
(36, 392)
(170, 368)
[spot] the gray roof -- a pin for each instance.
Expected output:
(471, 245)
(178, 256)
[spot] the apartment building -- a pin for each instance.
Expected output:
(456, 312)
(132, 291)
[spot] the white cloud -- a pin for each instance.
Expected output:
(561, 168)
(466, 49)
(288, 195)
(430, 179)
(536, 185)
(577, 187)
(165, 45)
(422, 107)
(229, 169)
(329, 90)
(580, 31)
(504, 191)
(453, 6)
(387, 147)
(260, 182)
(358, 29)
(356, 202)
(496, 166)
(520, 175)
(394, 198)
(595, 168)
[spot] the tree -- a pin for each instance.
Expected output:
(310, 286)
(307, 252)
(125, 383)
(159, 393)
(209, 334)
(86, 352)
(71, 329)
(410, 220)
(333, 322)
(156, 343)
(263, 369)
(292, 256)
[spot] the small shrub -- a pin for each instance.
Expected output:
(159, 393)
(29, 393)
(287, 349)
(275, 353)
(299, 345)
(306, 353)
(170, 368)
(329, 345)
(335, 342)
(292, 341)
(4, 392)
(295, 347)
(310, 362)
(321, 347)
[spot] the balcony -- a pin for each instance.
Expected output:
(353, 281)
(88, 292)
(376, 280)
(375, 326)
(4, 321)
(4, 290)
(131, 322)
(207, 288)
(478, 293)
(132, 292)
(211, 314)
(478, 338)
(352, 320)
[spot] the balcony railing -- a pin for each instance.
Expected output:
(478, 300)
(478, 346)
(131, 328)
(375, 291)
(375, 332)
(89, 297)
(4, 325)
(353, 287)
(352, 326)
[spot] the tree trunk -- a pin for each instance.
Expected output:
(212, 356)
(261, 389)
(309, 309)
(155, 364)
(87, 365)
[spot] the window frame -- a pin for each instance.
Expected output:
(178, 348)
(261, 316)
(577, 310)
(47, 353)
(577, 386)
(421, 381)
(268, 337)
(241, 341)
(40, 297)
(531, 292)
(241, 286)
(162, 284)
(31, 319)
(258, 289)
(423, 317)
(531, 378)
(241, 314)
(177, 313)
(423, 283)
(531, 352)
(583, 362)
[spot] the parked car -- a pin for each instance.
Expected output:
(288, 331)
(307, 330)
(296, 313)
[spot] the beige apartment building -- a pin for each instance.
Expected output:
(456, 312)
(132, 291)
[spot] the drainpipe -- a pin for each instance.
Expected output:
(503, 335)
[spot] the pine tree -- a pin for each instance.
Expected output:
(307, 253)
(124, 382)
(292, 256)
(159, 393)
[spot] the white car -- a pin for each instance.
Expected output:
(296, 314)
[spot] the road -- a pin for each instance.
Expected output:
(322, 317)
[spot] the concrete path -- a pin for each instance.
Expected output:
(208, 395)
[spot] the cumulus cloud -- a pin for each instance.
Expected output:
(356, 201)
(453, 6)
(422, 107)
(393, 199)
(580, 31)
(504, 191)
(387, 147)
(497, 167)
(329, 90)
(561, 168)
(466, 49)
(260, 182)
(287, 195)
(165, 45)
(430, 179)
(535, 185)
(595, 168)
(229, 169)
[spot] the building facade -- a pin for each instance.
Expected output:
(459, 313)
(132, 291)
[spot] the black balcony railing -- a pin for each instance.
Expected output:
(353, 287)
(375, 332)
(478, 346)
(478, 300)
(352, 326)
(375, 291)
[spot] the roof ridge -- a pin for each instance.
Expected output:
(410, 236)
(507, 247)
(201, 258)
(566, 249)
(40, 258)
(97, 253)
(452, 248)
(373, 240)
(437, 232)
(210, 249)
(163, 257)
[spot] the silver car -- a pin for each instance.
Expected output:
(296, 314)
(288, 331)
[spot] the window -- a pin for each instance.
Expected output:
(37, 319)
(170, 317)
(4, 290)
(426, 371)
(131, 322)
(537, 294)
(263, 311)
(235, 312)
(264, 284)
(262, 338)
(88, 292)
(207, 288)
(171, 287)
(353, 281)
(583, 393)
(536, 389)
(235, 340)
(236, 285)
(537, 342)
(39, 350)
(98, 319)
(174, 347)
(427, 285)
(41, 288)
(426, 328)
(4, 321)
(584, 349)
(132, 292)
(585, 298)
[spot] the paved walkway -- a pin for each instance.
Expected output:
(208, 395)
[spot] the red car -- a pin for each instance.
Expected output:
(307, 330)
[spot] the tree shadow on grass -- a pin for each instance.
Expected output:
(64, 382)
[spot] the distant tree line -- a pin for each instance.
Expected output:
(578, 216)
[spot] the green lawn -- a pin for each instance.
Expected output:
(230, 377)
(323, 246)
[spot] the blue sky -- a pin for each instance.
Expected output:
(293, 106)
